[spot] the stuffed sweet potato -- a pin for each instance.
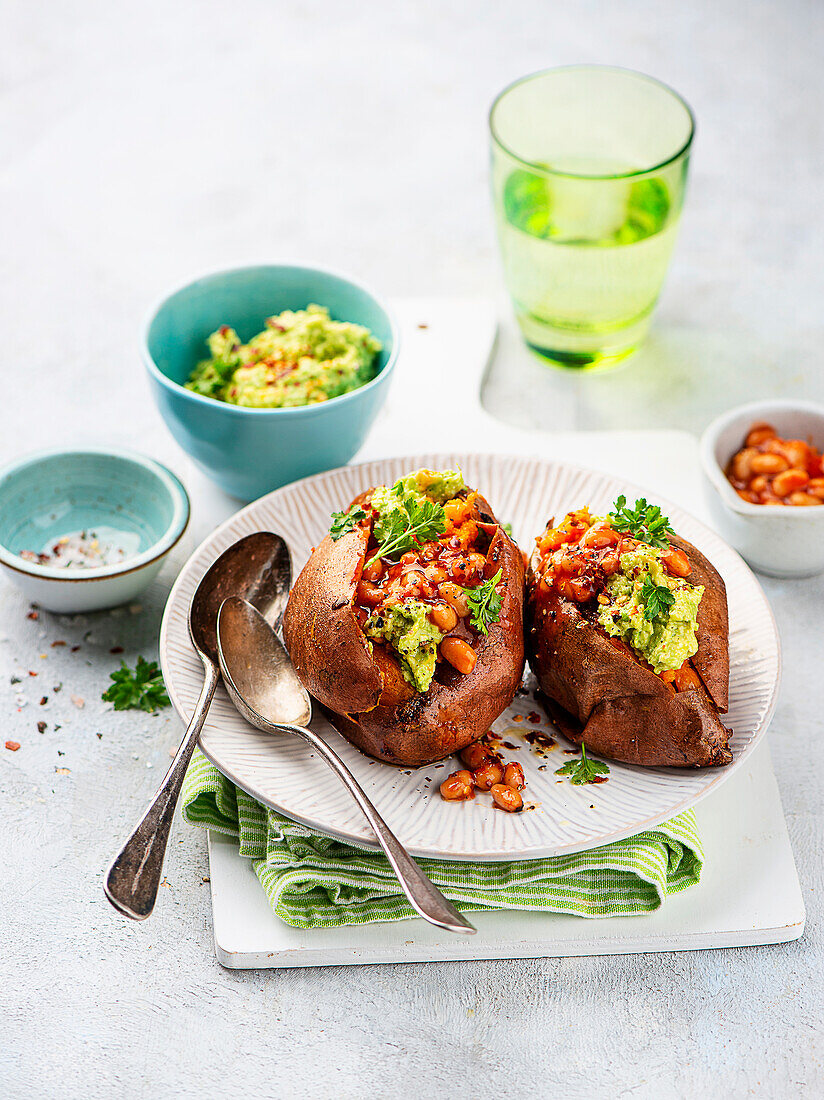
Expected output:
(627, 635)
(406, 623)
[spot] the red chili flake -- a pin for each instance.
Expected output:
(116, 649)
(33, 615)
(56, 644)
(41, 727)
(32, 673)
(534, 717)
(599, 779)
(44, 700)
(12, 746)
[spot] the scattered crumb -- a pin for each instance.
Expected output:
(57, 688)
(99, 736)
(117, 649)
(75, 648)
(206, 878)
(63, 771)
(135, 608)
(423, 326)
(78, 701)
(33, 615)
(44, 700)
(41, 727)
(12, 746)
(56, 645)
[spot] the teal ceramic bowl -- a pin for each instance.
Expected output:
(125, 497)
(249, 452)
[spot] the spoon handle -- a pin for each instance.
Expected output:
(424, 897)
(133, 879)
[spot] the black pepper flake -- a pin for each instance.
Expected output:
(16, 680)
(116, 649)
(75, 648)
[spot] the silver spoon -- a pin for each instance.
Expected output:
(264, 687)
(259, 568)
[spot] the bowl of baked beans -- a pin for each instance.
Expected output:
(763, 466)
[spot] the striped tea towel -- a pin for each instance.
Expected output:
(315, 881)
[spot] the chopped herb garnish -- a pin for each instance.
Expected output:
(142, 689)
(484, 603)
(413, 522)
(657, 600)
(584, 770)
(342, 522)
(644, 522)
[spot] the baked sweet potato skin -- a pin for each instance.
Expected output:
(360, 685)
(597, 691)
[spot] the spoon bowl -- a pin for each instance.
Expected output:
(263, 685)
(257, 567)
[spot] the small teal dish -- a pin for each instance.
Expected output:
(47, 495)
(249, 452)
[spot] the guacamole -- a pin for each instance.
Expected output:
(406, 627)
(302, 357)
(669, 638)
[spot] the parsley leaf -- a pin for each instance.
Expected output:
(407, 526)
(584, 770)
(644, 522)
(484, 603)
(142, 689)
(342, 522)
(657, 600)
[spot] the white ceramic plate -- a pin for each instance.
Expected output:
(283, 774)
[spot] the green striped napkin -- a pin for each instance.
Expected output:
(314, 881)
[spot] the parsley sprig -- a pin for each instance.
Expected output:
(657, 600)
(484, 603)
(413, 522)
(584, 770)
(141, 689)
(644, 522)
(342, 522)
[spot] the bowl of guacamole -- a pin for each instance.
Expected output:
(268, 374)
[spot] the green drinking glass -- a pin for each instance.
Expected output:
(589, 170)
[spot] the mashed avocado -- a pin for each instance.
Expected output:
(413, 637)
(302, 357)
(669, 639)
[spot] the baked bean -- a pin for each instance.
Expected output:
(487, 774)
(768, 464)
(816, 487)
(686, 679)
(581, 591)
(444, 617)
(749, 496)
(600, 536)
(507, 798)
(373, 571)
(514, 776)
(804, 499)
(796, 452)
(458, 787)
(369, 594)
(741, 464)
(435, 573)
(474, 755)
(789, 482)
(759, 484)
(459, 653)
(676, 562)
(610, 562)
(760, 433)
(455, 597)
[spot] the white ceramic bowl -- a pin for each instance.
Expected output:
(782, 541)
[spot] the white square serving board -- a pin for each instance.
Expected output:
(749, 893)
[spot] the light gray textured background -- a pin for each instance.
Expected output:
(146, 142)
